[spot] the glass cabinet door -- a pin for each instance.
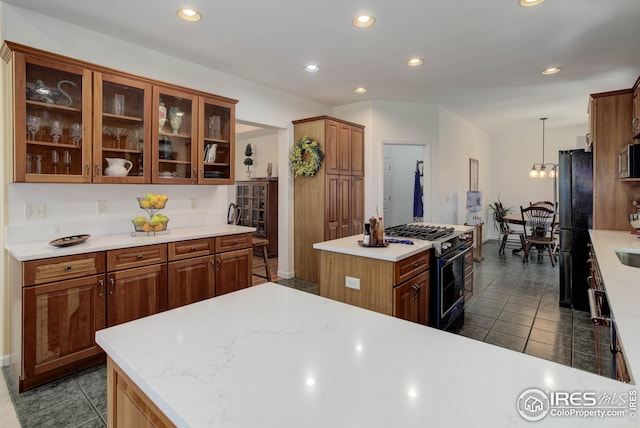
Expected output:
(52, 121)
(174, 137)
(258, 199)
(217, 137)
(122, 127)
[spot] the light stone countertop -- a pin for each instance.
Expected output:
(392, 252)
(270, 356)
(42, 250)
(622, 284)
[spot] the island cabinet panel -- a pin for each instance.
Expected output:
(136, 293)
(127, 405)
(383, 284)
(60, 322)
(329, 204)
(191, 280)
(411, 299)
(233, 271)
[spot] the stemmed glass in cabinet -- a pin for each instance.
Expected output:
(66, 160)
(55, 160)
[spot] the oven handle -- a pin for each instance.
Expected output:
(458, 253)
(594, 309)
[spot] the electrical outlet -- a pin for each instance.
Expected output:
(351, 282)
(34, 211)
(193, 203)
(101, 207)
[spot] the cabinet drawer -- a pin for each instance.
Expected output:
(233, 242)
(136, 256)
(191, 248)
(468, 262)
(411, 266)
(59, 268)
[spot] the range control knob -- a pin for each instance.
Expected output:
(446, 245)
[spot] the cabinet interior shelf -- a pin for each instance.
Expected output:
(216, 164)
(114, 149)
(51, 144)
(122, 118)
(187, 136)
(52, 106)
(215, 140)
(174, 161)
(630, 179)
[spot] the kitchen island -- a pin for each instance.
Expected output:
(270, 356)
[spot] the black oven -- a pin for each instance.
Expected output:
(448, 309)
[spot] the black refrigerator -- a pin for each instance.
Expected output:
(575, 212)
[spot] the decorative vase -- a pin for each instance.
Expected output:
(162, 115)
(175, 119)
(248, 172)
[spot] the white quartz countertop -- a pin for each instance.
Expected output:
(42, 250)
(392, 252)
(271, 356)
(622, 284)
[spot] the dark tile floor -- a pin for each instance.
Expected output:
(514, 305)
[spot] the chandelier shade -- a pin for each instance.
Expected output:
(543, 170)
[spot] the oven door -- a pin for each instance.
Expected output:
(451, 288)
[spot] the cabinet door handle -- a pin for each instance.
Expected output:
(416, 291)
(213, 265)
(194, 177)
(67, 268)
(634, 122)
(88, 168)
(219, 263)
(112, 284)
(97, 169)
(101, 288)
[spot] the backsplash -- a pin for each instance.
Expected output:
(71, 209)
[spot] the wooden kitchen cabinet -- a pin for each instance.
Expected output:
(50, 97)
(73, 120)
(191, 271)
(635, 122)
(411, 299)
(258, 201)
(216, 140)
(234, 263)
(63, 305)
(122, 128)
(400, 289)
(337, 190)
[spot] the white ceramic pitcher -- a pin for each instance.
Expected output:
(118, 167)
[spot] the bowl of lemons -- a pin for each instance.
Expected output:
(153, 221)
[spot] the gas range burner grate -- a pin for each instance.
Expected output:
(419, 231)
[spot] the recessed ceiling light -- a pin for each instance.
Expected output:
(189, 14)
(311, 68)
(414, 62)
(527, 3)
(364, 21)
(360, 90)
(551, 70)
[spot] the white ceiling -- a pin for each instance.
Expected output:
(483, 59)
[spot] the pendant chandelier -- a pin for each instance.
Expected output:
(539, 170)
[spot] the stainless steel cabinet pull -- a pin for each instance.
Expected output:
(97, 169)
(101, 285)
(112, 284)
(219, 263)
(416, 291)
(140, 256)
(67, 268)
(235, 241)
(193, 248)
(213, 265)
(88, 168)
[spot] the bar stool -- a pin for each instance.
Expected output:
(257, 243)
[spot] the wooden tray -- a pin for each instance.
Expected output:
(360, 242)
(69, 240)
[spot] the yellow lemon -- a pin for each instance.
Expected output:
(145, 203)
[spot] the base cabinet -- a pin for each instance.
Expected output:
(411, 299)
(65, 300)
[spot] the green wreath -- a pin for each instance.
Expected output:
(305, 157)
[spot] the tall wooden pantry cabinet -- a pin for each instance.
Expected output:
(330, 204)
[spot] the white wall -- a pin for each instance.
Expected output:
(512, 157)
(265, 150)
(399, 181)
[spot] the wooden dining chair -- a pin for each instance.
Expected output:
(538, 223)
(234, 214)
(546, 204)
(506, 230)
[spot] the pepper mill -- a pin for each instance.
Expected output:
(374, 238)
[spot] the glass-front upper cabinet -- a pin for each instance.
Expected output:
(217, 140)
(122, 130)
(174, 136)
(52, 121)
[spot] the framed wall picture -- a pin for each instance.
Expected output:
(473, 174)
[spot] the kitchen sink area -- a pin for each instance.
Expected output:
(629, 258)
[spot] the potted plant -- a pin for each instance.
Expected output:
(248, 152)
(498, 211)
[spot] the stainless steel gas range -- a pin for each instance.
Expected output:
(447, 285)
